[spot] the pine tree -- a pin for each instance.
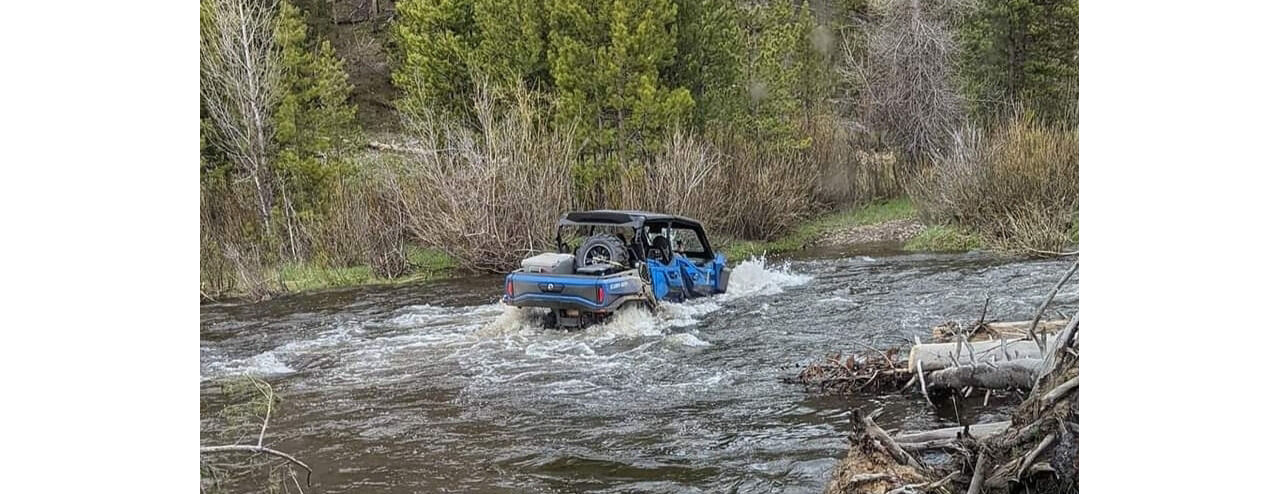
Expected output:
(511, 43)
(780, 67)
(434, 40)
(709, 60)
(607, 60)
(1024, 52)
(314, 120)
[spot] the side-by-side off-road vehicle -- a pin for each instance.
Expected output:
(607, 260)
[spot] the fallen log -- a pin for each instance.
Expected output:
(977, 431)
(1011, 374)
(935, 356)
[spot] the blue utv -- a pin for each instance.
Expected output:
(606, 260)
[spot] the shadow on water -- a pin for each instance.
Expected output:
(438, 387)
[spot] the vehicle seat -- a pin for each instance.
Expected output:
(658, 248)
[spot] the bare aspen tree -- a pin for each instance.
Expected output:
(239, 87)
(905, 78)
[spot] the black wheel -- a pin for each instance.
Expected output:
(602, 248)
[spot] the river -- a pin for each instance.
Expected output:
(439, 388)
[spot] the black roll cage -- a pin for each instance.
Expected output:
(637, 222)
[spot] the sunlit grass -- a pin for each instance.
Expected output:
(943, 238)
(806, 233)
(424, 265)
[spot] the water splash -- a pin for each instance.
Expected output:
(754, 277)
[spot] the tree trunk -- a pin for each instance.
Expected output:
(935, 356)
(1011, 374)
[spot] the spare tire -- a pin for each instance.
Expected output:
(602, 246)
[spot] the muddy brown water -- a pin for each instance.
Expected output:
(439, 388)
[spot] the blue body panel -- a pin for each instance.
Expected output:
(683, 278)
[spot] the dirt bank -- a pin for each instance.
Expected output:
(899, 230)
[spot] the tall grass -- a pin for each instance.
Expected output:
(1017, 186)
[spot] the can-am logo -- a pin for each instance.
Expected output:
(549, 287)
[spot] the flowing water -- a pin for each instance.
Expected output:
(439, 388)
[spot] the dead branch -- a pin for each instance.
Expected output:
(979, 471)
(925, 486)
(1030, 457)
(900, 455)
(1060, 392)
(1031, 331)
(924, 389)
(977, 431)
(247, 448)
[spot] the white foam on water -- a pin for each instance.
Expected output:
(754, 277)
(264, 364)
(685, 339)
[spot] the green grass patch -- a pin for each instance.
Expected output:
(943, 238)
(425, 264)
(302, 277)
(429, 264)
(806, 233)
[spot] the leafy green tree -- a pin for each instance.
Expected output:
(433, 41)
(607, 60)
(1025, 52)
(315, 120)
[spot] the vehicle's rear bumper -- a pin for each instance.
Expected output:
(572, 292)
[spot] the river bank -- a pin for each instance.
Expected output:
(886, 225)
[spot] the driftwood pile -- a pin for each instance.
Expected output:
(1034, 451)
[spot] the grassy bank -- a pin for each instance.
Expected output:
(810, 231)
(943, 238)
(425, 265)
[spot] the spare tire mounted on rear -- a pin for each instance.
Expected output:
(602, 248)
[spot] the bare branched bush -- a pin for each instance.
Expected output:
(904, 78)
(767, 191)
(239, 87)
(850, 169)
(1017, 187)
(231, 257)
(365, 225)
(486, 196)
(682, 179)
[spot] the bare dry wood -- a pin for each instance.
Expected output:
(249, 448)
(868, 477)
(1013, 374)
(924, 389)
(1031, 456)
(979, 472)
(1060, 344)
(933, 444)
(977, 431)
(900, 455)
(924, 486)
(1031, 331)
(935, 356)
(1059, 392)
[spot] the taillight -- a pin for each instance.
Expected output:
(511, 289)
(599, 295)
